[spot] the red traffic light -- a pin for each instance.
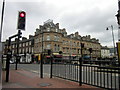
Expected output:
(21, 20)
(22, 14)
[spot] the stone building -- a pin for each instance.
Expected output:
(25, 49)
(50, 37)
(105, 52)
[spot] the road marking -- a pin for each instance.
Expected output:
(34, 71)
(38, 72)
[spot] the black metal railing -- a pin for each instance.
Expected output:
(103, 74)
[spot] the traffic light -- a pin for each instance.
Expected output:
(21, 20)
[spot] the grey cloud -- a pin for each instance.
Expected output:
(91, 21)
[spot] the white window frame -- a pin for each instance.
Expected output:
(48, 29)
(26, 43)
(48, 46)
(29, 42)
(48, 37)
(29, 49)
(56, 30)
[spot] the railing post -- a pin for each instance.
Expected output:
(41, 66)
(51, 59)
(80, 71)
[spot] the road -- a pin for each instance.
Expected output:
(35, 68)
(72, 72)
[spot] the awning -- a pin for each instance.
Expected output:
(36, 54)
(47, 56)
(55, 53)
(73, 55)
(58, 55)
(86, 56)
(66, 55)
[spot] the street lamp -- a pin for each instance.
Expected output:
(112, 36)
(1, 27)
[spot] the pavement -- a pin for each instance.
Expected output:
(26, 79)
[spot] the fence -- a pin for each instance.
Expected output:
(96, 73)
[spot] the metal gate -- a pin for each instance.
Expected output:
(103, 74)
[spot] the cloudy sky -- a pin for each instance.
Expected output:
(88, 17)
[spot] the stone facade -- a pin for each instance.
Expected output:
(105, 52)
(25, 47)
(50, 36)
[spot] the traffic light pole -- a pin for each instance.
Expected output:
(17, 58)
(9, 54)
(8, 60)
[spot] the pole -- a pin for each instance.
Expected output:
(41, 66)
(1, 35)
(51, 59)
(8, 61)
(17, 57)
(113, 40)
(2, 19)
(80, 65)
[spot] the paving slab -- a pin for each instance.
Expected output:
(26, 79)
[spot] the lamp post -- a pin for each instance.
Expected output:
(2, 17)
(1, 27)
(112, 36)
